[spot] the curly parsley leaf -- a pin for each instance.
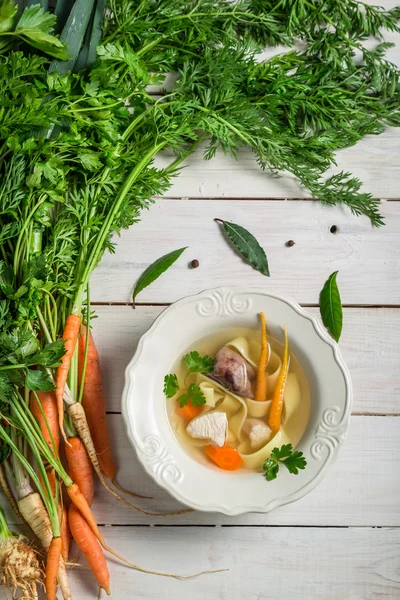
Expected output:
(194, 394)
(197, 363)
(293, 461)
(171, 385)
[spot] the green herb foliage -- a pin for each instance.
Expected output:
(77, 150)
(171, 385)
(247, 246)
(293, 461)
(331, 307)
(34, 27)
(156, 269)
(197, 363)
(194, 394)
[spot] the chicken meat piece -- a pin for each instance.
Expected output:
(212, 426)
(259, 433)
(233, 372)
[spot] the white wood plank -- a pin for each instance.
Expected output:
(287, 563)
(375, 160)
(367, 258)
(362, 487)
(369, 345)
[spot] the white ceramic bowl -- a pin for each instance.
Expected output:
(144, 404)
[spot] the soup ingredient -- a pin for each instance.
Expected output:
(233, 372)
(259, 433)
(293, 461)
(275, 415)
(247, 245)
(226, 458)
(331, 307)
(52, 564)
(290, 243)
(43, 406)
(194, 264)
(194, 394)
(33, 26)
(19, 565)
(212, 426)
(80, 468)
(81, 472)
(261, 385)
(197, 363)
(70, 337)
(65, 534)
(188, 412)
(94, 404)
(171, 385)
(89, 545)
(156, 269)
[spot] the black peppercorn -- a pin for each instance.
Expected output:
(334, 229)
(194, 264)
(290, 243)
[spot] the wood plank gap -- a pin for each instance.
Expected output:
(303, 304)
(249, 526)
(353, 414)
(251, 198)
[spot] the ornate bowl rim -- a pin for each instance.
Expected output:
(155, 444)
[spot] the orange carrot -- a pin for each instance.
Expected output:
(81, 503)
(65, 535)
(89, 545)
(48, 423)
(52, 565)
(275, 415)
(188, 412)
(261, 386)
(70, 337)
(80, 467)
(94, 407)
(226, 458)
(94, 404)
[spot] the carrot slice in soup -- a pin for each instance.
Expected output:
(226, 458)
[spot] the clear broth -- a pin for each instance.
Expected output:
(210, 345)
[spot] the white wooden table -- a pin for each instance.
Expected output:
(342, 541)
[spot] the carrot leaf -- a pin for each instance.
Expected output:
(247, 245)
(156, 269)
(331, 307)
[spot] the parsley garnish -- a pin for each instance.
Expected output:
(293, 461)
(171, 385)
(194, 394)
(197, 363)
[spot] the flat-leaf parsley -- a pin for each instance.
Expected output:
(293, 461)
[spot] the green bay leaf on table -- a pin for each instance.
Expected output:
(156, 269)
(331, 307)
(247, 245)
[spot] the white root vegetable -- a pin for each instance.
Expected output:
(35, 514)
